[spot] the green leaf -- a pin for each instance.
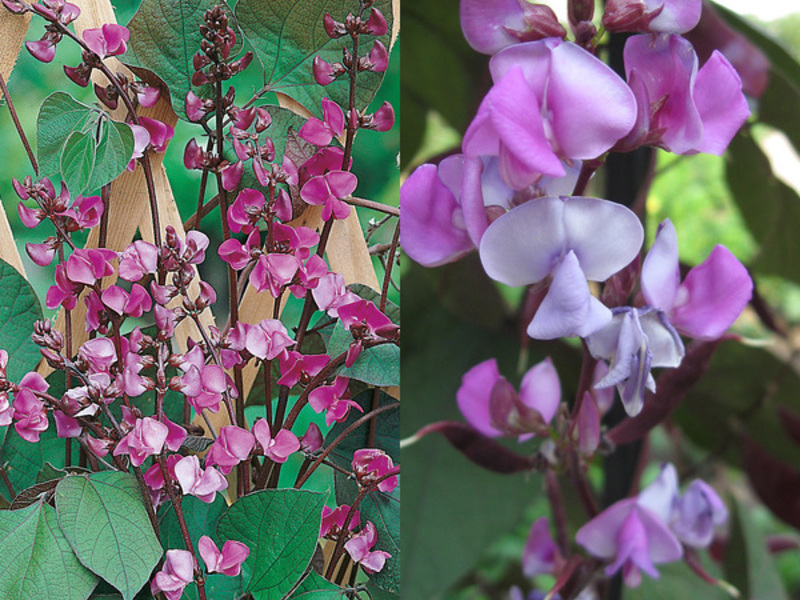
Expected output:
(37, 559)
(774, 224)
(165, 35)
(23, 460)
(316, 587)
(19, 309)
(113, 153)
(748, 565)
(77, 161)
(59, 116)
(379, 365)
(201, 519)
(104, 518)
(286, 36)
(379, 507)
(281, 528)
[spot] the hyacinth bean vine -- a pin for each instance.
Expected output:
(167, 444)
(611, 336)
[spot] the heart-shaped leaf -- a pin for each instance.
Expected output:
(19, 309)
(379, 365)
(104, 518)
(281, 528)
(37, 559)
(286, 36)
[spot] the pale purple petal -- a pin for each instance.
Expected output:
(524, 245)
(661, 274)
(676, 16)
(540, 553)
(599, 536)
(541, 389)
(601, 256)
(568, 308)
(485, 23)
(712, 296)
(660, 496)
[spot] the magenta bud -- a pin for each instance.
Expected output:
(580, 10)
(148, 96)
(14, 6)
(383, 118)
(263, 119)
(193, 155)
(195, 109)
(334, 29)
(376, 25)
(199, 78)
(200, 60)
(106, 96)
(324, 72)
(241, 64)
(21, 190)
(43, 50)
(378, 57)
(69, 13)
(231, 175)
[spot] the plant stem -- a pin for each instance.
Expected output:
(18, 126)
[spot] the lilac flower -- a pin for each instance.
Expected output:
(334, 400)
(231, 447)
(203, 484)
(697, 513)
(682, 109)
(634, 532)
(491, 405)
(709, 300)
(541, 555)
(551, 103)
(329, 190)
(491, 25)
(703, 306)
(370, 464)
(636, 340)
(108, 40)
(145, 439)
(278, 448)
(332, 525)
(557, 239)
(657, 16)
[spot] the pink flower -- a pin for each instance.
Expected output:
(320, 133)
(100, 353)
(359, 549)
(297, 367)
(204, 484)
(273, 272)
(370, 464)
(551, 102)
(154, 478)
(108, 40)
(278, 448)
(145, 439)
(43, 50)
(378, 57)
(204, 385)
(64, 292)
(228, 561)
(325, 72)
(331, 293)
(312, 439)
(141, 138)
(333, 400)
(87, 265)
(160, 133)
(329, 189)
(491, 405)
(657, 16)
(232, 175)
(176, 574)
(333, 521)
(138, 260)
(30, 415)
(231, 447)
(376, 24)
(268, 339)
(246, 210)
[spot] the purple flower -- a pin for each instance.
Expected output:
(551, 102)
(278, 448)
(634, 532)
(359, 547)
(709, 300)
(204, 484)
(557, 238)
(108, 40)
(491, 25)
(231, 447)
(321, 132)
(682, 109)
(657, 16)
(636, 340)
(145, 439)
(697, 513)
(541, 555)
(491, 405)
